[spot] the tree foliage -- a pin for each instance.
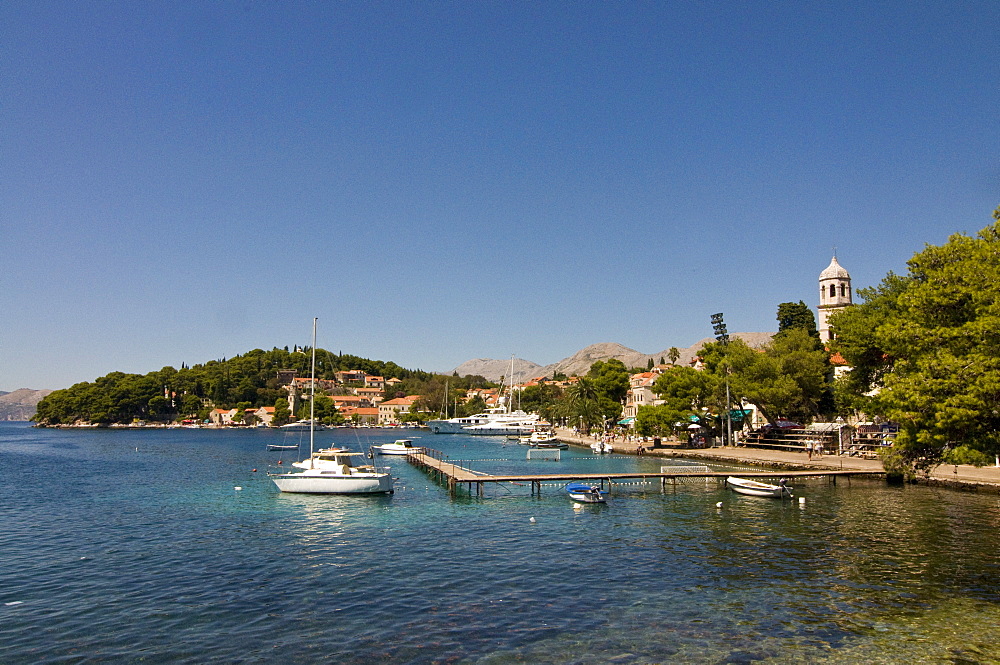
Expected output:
(788, 378)
(792, 315)
(170, 393)
(925, 350)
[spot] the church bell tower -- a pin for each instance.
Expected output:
(834, 295)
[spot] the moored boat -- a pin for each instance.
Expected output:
(331, 470)
(756, 488)
(398, 447)
(279, 446)
(584, 493)
(601, 448)
(303, 426)
(542, 436)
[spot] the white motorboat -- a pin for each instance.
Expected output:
(542, 436)
(398, 447)
(331, 470)
(584, 493)
(601, 448)
(755, 488)
(303, 426)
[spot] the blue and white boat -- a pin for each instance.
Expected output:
(584, 493)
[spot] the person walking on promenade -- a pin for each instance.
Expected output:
(809, 449)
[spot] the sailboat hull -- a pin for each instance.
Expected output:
(307, 483)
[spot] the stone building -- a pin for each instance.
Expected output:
(834, 295)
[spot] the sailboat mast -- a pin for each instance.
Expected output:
(312, 398)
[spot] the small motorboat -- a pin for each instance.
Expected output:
(601, 448)
(279, 446)
(550, 445)
(584, 493)
(755, 488)
(398, 447)
(542, 436)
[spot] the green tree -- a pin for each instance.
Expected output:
(685, 392)
(189, 404)
(583, 404)
(673, 354)
(282, 414)
(792, 315)
(788, 378)
(326, 411)
(610, 379)
(925, 351)
(159, 407)
(660, 420)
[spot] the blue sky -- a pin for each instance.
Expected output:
(436, 181)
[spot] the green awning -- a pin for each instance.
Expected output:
(740, 414)
(626, 421)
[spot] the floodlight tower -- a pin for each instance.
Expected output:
(722, 336)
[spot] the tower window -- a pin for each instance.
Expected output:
(833, 290)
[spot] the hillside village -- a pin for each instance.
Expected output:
(360, 398)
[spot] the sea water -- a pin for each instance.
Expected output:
(166, 546)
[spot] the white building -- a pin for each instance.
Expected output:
(834, 295)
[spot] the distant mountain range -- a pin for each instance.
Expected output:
(20, 404)
(579, 363)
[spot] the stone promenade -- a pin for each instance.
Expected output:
(963, 477)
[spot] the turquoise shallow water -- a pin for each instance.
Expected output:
(134, 546)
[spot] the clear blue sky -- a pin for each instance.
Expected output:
(436, 181)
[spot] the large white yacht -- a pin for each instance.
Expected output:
(492, 421)
(499, 420)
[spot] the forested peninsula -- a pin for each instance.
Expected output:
(248, 380)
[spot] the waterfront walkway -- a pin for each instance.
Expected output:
(971, 477)
(454, 475)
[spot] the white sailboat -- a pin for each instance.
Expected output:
(331, 470)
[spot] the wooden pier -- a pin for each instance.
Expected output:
(454, 475)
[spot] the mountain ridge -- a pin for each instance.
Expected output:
(579, 363)
(20, 404)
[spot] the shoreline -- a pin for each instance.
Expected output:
(962, 477)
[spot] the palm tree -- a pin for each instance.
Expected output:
(582, 399)
(673, 354)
